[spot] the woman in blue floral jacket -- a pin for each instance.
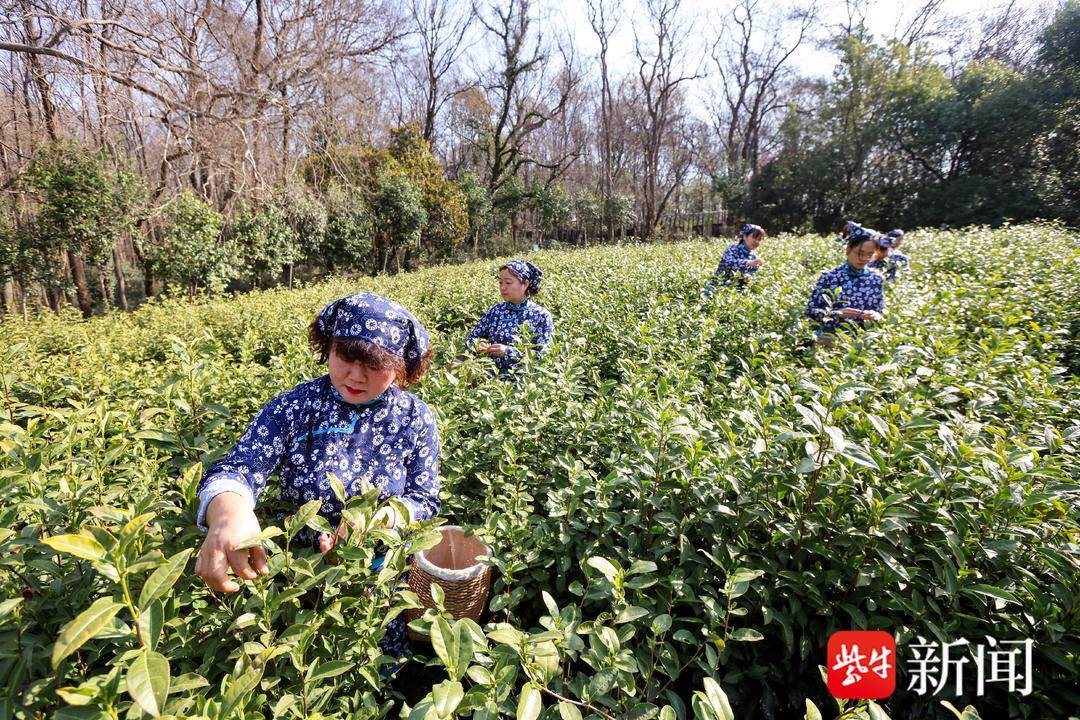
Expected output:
(739, 262)
(499, 329)
(889, 258)
(356, 422)
(850, 295)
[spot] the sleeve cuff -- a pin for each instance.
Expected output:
(417, 512)
(221, 484)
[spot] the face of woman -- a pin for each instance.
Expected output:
(511, 287)
(356, 382)
(860, 255)
(752, 241)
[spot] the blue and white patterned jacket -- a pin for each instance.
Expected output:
(502, 324)
(845, 287)
(310, 430)
(735, 261)
(891, 264)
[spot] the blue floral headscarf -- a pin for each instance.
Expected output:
(860, 234)
(897, 233)
(382, 322)
(529, 273)
(750, 229)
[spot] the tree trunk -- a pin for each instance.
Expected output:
(9, 298)
(121, 286)
(148, 271)
(286, 125)
(52, 298)
(78, 273)
(103, 283)
(37, 69)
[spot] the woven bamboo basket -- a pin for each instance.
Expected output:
(453, 566)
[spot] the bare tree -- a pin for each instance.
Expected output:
(1007, 32)
(217, 97)
(604, 16)
(524, 91)
(753, 61)
(925, 23)
(661, 81)
(441, 30)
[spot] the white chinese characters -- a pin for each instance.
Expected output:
(934, 663)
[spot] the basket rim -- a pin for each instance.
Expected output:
(463, 575)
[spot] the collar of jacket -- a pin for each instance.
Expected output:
(518, 308)
(852, 271)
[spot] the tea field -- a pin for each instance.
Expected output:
(685, 498)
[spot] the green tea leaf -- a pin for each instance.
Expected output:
(447, 695)
(746, 635)
(148, 681)
(302, 517)
(327, 670)
(163, 578)
(80, 546)
(604, 566)
(266, 534)
(337, 487)
(85, 626)
(568, 711)
(994, 592)
(529, 704)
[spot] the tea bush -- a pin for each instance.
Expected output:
(685, 498)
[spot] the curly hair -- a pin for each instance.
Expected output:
(367, 354)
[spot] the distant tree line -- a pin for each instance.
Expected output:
(150, 146)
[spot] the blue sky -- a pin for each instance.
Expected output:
(883, 18)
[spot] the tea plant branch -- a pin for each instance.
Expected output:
(18, 630)
(808, 503)
(132, 609)
(20, 576)
(685, 665)
(304, 697)
(727, 615)
(7, 399)
(562, 698)
(657, 642)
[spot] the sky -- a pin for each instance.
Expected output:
(884, 19)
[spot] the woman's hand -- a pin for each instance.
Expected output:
(230, 522)
(491, 349)
(857, 314)
(755, 263)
